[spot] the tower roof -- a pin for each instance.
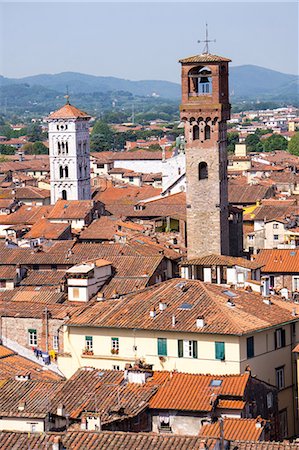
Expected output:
(68, 111)
(204, 58)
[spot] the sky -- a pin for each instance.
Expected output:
(143, 40)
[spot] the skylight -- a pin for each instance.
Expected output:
(229, 293)
(216, 383)
(186, 306)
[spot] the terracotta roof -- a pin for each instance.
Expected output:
(193, 392)
(68, 112)
(30, 192)
(35, 394)
(27, 215)
(13, 365)
(264, 445)
(231, 404)
(36, 310)
(221, 260)
(71, 209)
(43, 278)
(48, 230)
(244, 429)
(247, 314)
(248, 194)
(204, 58)
(279, 261)
(105, 440)
(7, 273)
(103, 228)
(267, 212)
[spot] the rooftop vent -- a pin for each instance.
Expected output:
(173, 320)
(153, 313)
(21, 405)
(230, 303)
(162, 306)
(200, 322)
(229, 293)
(182, 286)
(267, 301)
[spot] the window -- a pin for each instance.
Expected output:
(64, 194)
(53, 266)
(76, 292)
(66, 171)
(33, 427)
(101, 166)
(116, 367)
(202, 170)
(283, 423)
(275, 237)
(269, 400)
(279, 377)
(32, 337)
(250, 347)
(88, 343)
(131, 179)
(55, 342)
(275, 226)
(35, 267)
(280, 338)
(187, 349)
(250, 237)
(220, 351)
(195, 131)
(114, 345)
(207, 132)
(162, 347)
(60, 171)
(164, 422)
(2, 284)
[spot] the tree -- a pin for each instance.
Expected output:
(253, 143)
(34, 133)
(232, 140)
(275, 142)
(7, 149)
(102, 137)
(35, 148)
(293, 145)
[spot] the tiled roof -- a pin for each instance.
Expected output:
(36, 310)
(193, 392)
(71, 209)
(140, 155)
(104, 440)
(48, 230)
(12, 365)
(43, 278)
(103, 228)
(271, 212)
(264, 445)
(221, 260)
(248, 193)
(279, 261)
(7, 272)
(244, 429)
(27, 215)
(36, 395)
(68, 112)
(30, 192)
(211, 302)
(204, 58)
(231, 404)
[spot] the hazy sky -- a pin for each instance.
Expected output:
(143, 40)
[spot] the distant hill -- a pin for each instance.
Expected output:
(247, 82)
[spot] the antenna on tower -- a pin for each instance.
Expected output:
(67, 96)
(206, 41)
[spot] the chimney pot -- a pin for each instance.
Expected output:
(153, 313)
(173, 320)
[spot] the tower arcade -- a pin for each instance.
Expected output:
(205, 109)
(69, 154)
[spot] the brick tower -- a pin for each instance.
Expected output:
(204, 110)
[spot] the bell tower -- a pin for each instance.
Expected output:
(69, 154)
(205, 109)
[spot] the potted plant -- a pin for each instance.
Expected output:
(87, 352)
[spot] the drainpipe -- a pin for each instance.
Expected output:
(46, 330)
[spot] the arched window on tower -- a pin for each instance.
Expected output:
(200, 81)
(202, 170)
(59, 147)
(80, 171)
(207, 132)
(62, 147)
(195, 132)
(67, 147)
(60, 171)
(64, 194)
(66, 171)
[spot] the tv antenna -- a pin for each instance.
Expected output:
(206, 41)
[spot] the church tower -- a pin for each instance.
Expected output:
(69, 154)
(205, 109)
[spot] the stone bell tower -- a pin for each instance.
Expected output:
(205, 109)
(69, 154)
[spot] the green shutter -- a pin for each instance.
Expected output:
(180, 348)
(88, 338)
(194, 349)
(31, 330)
(162, 346)
(219, 351)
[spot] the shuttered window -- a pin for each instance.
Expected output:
(280, 338)
(187, 349)
(162, 347)
(220, 351)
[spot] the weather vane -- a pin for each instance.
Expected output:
(67, 96)
(206, 41)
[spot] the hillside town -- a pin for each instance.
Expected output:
(149, 297)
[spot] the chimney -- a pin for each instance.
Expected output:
(153, 313)
(21, 406)
(162, 306)
(57, 445)
(294, 312)
(200, 322)
(60, 410)
(173, 320)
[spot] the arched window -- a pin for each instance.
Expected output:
(59, 147)
(67, 147)
(200, 81)
(64, 194)
(80, 171)
(195, 132)
(61, 171)
(207, 132)
(202, 170)
(66, 171)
